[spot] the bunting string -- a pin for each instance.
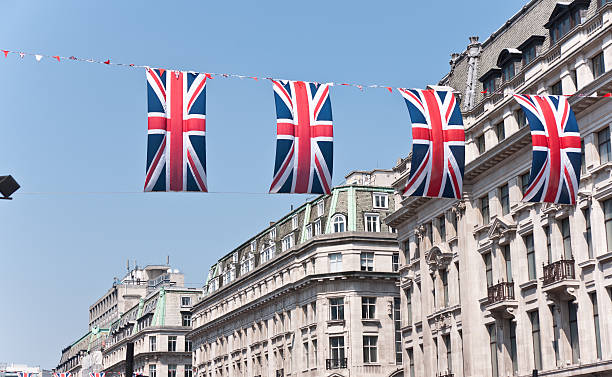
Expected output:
(210, 75)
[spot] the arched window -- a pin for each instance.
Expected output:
(246, 264)
(339, 223)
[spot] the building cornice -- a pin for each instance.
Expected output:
(148, 330)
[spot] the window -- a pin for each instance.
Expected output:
(480, 144)
(367, 261)
(608, 222)
(267, 253)
(320, 208)
(152, 344)
(335, 262)
(582, 157)
(504, 198)
(372, 223)
(529, 54)
(442, 228)
(488, 268)
(287, 242)
(563, 25)
(593, 297)
(587, 233)
(171, 370)
(380, 200)
(336, 308)
(429, 229)
(508, 261)
(555, 341)
(308, 231)
(273, 234)
(188, 345)
(556, 89)
(500, 131)
(185, 301)
(294, 222)
(513, 349)
(444, 277)
(152, 370)
(409, 305)
(314, 353)
(493, 349)
(598, 65)
(339, 223)
(573, 325)
(508, 71)
(370, 354)
(449, 355)
(397, 322)
(489, 86)
(567, 241)
(187, 320)
(524, 182)
(317, 227)
(546, 229)
(336, 349)
(247, 263)
(484, 210)
(253, 246)
(411, 358)
(531, 264)
(521, 118)
(368, 307)
(395, 262)
(171, 343)
(603, 145)
(306, 355)
(535, 335)
(188, 370)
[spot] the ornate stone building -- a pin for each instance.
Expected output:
(313, 294)
(492, 286)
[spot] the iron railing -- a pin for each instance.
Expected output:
(500, 292)
(335, 363)
(559, 270)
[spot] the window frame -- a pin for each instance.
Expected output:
(384, 200)
(368, 307)
(287, 245)
(336, 309)
(367, 223)
(598, 65)
(335, 260)
(605, 144)
(366, 261)
(338, 223)
(370, 349)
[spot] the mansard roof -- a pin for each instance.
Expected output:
(562, 7)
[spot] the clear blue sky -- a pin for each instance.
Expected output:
(71, 128)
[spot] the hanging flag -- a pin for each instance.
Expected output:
(438, 144)
(555, 167)
(176, 153)
(68, 374)
(304, 141)
(25, 374)
(97, 374)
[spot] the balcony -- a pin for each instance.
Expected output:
(500, 299)
(335, 363)
(559, 280)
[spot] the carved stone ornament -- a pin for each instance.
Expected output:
(459, 208)
(499, 228)
(420, 231)
(438, 259)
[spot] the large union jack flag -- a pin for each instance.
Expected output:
(555, 167)
(304, 141)
(176, 152)
(97, 374)
(67, 374)
(438, 144)
(25, 374)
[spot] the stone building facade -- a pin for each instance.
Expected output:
(313, 294)
(157, 326)
(493, 286)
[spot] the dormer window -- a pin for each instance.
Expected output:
(531, 48)
(489, 80)
(564, 18)
(509, 60)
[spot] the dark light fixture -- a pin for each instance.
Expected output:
(8, 185)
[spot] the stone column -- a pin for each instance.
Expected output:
(584, 74)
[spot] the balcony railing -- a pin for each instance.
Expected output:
(280, 373)
(335, 363)
(448, 374)
(559, 270)
(500, 292)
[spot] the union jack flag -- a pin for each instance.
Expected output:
(555, 167)
(25, 374)
(97, 374)
(438, 144)
(67, 374)
(304, 141)
(176, 152)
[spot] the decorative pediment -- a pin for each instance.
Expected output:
(438, 259)
(500, 228)
(508, 54)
